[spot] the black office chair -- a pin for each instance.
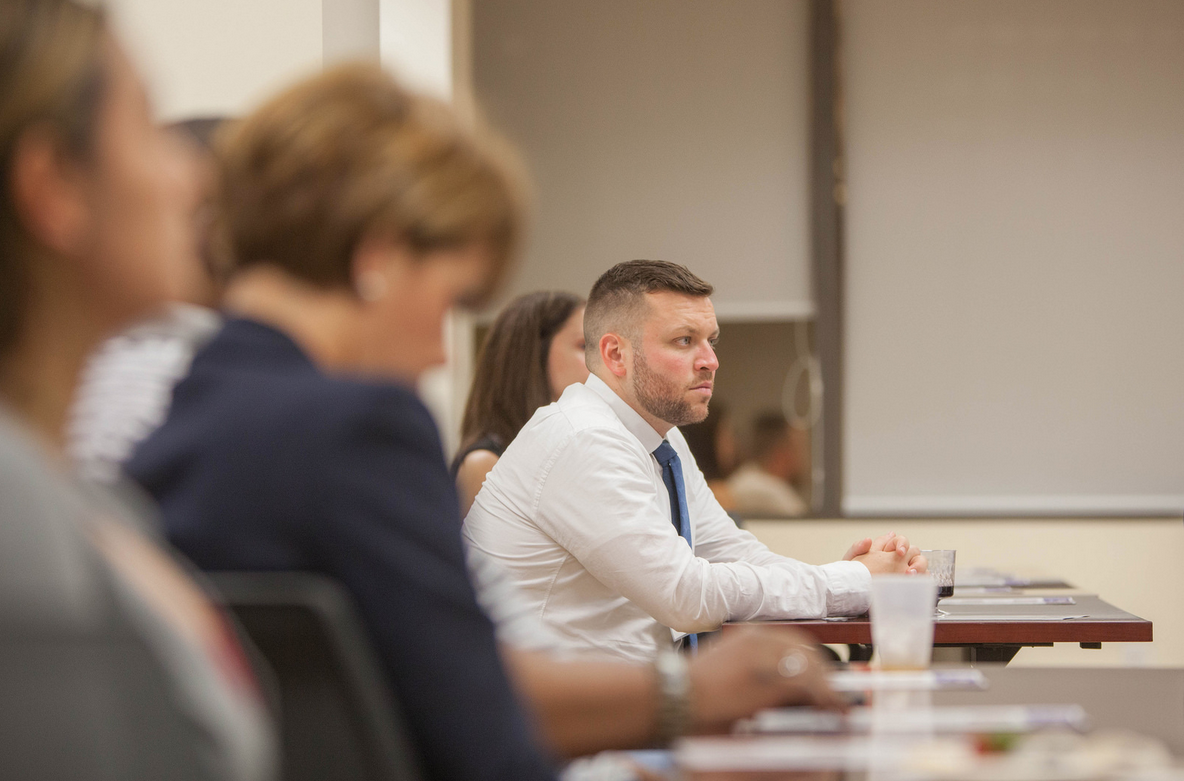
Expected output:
(339, 721)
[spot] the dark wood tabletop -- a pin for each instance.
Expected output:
(1040, 625)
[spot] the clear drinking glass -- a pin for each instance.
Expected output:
(941, 567)
(902, 620)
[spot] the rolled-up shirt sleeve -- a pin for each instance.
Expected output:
(614, 525)
(718, 539)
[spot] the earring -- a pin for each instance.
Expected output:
(371, 287)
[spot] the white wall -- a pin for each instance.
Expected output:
(417, 43)
(350, 30)
(220, 57)
(1132, 563)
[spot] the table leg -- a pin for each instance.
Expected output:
(859, 652)
(992, 653)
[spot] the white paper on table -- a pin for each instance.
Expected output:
(814, 752)
(906, 680)
(961, 719)
(1025, 617)
(1008, 601)
(979, 577)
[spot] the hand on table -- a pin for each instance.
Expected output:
(889, 554)
(751, 668)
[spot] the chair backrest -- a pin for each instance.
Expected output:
(339, 720)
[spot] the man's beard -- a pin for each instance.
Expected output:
(662, 398)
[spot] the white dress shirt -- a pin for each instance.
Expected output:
(513, 616)
(576, 512)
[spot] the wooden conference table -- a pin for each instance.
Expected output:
(994, 628)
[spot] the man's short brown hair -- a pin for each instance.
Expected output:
(617, 300)
(350, 152)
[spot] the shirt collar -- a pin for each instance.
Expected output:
(637, 425)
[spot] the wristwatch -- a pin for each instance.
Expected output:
(674, 691)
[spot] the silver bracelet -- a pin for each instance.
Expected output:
(674, 691)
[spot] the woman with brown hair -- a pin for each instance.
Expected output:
(113, 663)
(533, 351)
(355, 214)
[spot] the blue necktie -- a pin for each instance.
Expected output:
(672, 477)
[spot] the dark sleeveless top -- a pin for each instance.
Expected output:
(492, 444)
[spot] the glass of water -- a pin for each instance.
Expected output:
(941, 568)
(902, 620)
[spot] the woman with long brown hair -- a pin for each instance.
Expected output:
(113, 663)
(533, 351)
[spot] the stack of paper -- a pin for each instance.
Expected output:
(964, 719)
(854, 680)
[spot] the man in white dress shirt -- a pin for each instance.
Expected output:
(618, 551)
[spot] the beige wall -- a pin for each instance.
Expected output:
(417, 42)
(219, 57)
(1135, 564)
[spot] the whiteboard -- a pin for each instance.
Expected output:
(1015, 257)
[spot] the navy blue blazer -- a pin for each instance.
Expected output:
(266, 463)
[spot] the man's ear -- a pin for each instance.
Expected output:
(48, 192)
(615, 354)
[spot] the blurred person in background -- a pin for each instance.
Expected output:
(713, 444)
(356, 214)
(764, 486)
(533, 351)
(127, 384)
(113, 663)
